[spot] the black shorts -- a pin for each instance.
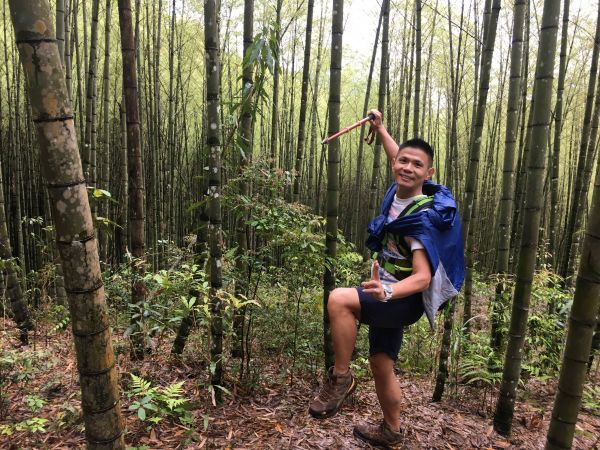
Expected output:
(387, 320)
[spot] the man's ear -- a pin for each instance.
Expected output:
(430, 172)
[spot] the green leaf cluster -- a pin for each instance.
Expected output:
(154, 403)
(34, 403)
(33, 425)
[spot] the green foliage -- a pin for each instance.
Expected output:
(10, 263)
(360, 366)
(34, 403)
(33, 425)
(476, 361)
(286, 268)
(152, 404)
(66, 415)
(96, 197)
(264, 51)
(419, 348)
(550, 306)
(167, 302)
(591, 398)
(16, 367)
(61, 318)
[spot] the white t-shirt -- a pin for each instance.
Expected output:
(390, 250)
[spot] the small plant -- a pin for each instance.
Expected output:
(590, 400)
(67, 414)
(33, 425)
(61, 318)
(16, 367)
(152, 404)
(34, 403)
(360, 366)
(476, 368)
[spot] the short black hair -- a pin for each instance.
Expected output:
(420, 144)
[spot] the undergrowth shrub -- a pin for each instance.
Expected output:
(152, 404)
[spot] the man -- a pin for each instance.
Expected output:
(418, 266)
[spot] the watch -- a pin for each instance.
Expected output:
(387, 289)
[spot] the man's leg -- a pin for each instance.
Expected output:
(387, 388)
(344, 310)
(387, 433)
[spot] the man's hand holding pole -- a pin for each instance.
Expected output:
(389, 145)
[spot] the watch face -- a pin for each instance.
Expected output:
(388, 291)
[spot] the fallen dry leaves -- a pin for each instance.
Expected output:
(275, 416)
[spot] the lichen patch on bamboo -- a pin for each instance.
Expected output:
(50, 102)
(40, 26)
(61, 206)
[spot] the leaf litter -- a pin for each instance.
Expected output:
(273, 415)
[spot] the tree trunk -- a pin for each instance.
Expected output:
(583, 146)
(582, 321)
(73, 221)
(333, 167)
(212, 65)
(581, 200)
(484, 83)
(558, 124)
(89, 161)
(383, 74)
(409, 87)
(355, 211)
(417, 103)
(469, 209)
(312, 193)
(68, 47)
(442, 374)
(60, 29)
(135, 170)
(531, 221)
(245, 143)
(14, 293)
(508, 173)
(122, 231)
(303, 102)
(105, 157)
(275, 97)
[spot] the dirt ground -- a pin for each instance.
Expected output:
(274, 416)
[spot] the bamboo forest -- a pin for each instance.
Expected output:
(191, 190)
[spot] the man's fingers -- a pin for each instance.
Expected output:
(372, 284)
(370, 291)
(378, 117)
(375, 271)
(375, 292)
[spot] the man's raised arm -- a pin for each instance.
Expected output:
(389, 145)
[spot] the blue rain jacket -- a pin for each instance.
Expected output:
(439, 230)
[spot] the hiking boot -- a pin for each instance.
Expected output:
(380, 435)
(333, 392)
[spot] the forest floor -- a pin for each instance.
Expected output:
(273, 416)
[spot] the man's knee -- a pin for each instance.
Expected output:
(342, 299)
(381, 365)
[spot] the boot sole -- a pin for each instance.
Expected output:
(362, 437)
(328, 414)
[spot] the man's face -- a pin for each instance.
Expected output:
(412, 167)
